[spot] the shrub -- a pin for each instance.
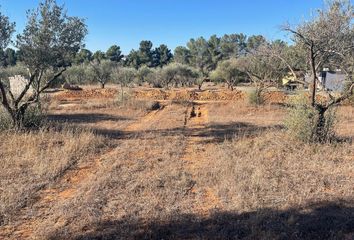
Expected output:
(228, 71)
(302, 122)
(174, 74)
(346, 88)
(33, 118)
(78, 74)
(255, 97)
(5, 120)
(129, 102)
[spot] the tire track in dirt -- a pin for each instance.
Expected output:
(196, 120)
(71, 179)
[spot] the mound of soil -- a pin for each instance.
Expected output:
(275, 97)
(187, 95)
(87, 94)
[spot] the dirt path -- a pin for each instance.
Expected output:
(204, 199)
(196, 121)
(65, 188)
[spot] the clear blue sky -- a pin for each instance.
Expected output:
(173, 22)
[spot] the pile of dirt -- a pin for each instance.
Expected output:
(187, 95)
(87, 94)
(154, 94)
(275, 97)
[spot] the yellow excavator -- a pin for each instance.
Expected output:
(290, 82)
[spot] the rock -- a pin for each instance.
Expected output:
(68, 86)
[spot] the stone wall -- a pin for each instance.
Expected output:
(17, 84)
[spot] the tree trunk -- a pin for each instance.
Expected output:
(314, 78)
(102, 85)
(18, 118)
(321, 134)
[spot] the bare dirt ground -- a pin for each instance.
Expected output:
(203, 165)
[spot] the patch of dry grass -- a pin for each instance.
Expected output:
(272, 171)
(142, 179)
(32, 160)
(276, 182)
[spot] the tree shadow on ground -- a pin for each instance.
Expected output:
(84, 118)
(331, 220)
(216, 133)
(212, 133)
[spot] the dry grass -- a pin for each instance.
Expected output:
(240, 176)
(33, 160)
(273, 186)
(141, 179)
(272, 171)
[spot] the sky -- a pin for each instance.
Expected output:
(172, 22)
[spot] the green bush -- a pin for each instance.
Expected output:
(302, 122)
(255, 97)
(5, 120)
(34, 118)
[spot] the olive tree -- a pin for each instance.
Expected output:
(186, 76)
(328, 40)
(263, 71)
(228, 72)
(102, 71)
(142, 74)
(201, 57)
(78, 74)
(48, 43)
(124, 76)
(6, 30)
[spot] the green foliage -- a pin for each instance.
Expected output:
(8, 57)
(10, 71)
(143, 73)
(83, 56)
(162, 56)
(182, 55)
(233, 45)
(228, 72)
(7, 29)
(133, 59)
(101, 71)
(254, 42)
(99, 56)
(79, 74)
(124, 75)
(33, 118)
(200, 55)
(255, 97)
(302, 122)
(50, 38)
(5, 120)
(174, 74)
(114, 54)
(145, 53)
(187, 76)
(177, 75)
(214, 51)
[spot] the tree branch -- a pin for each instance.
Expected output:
(52, 80)
(345, 96)
(24, 91)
